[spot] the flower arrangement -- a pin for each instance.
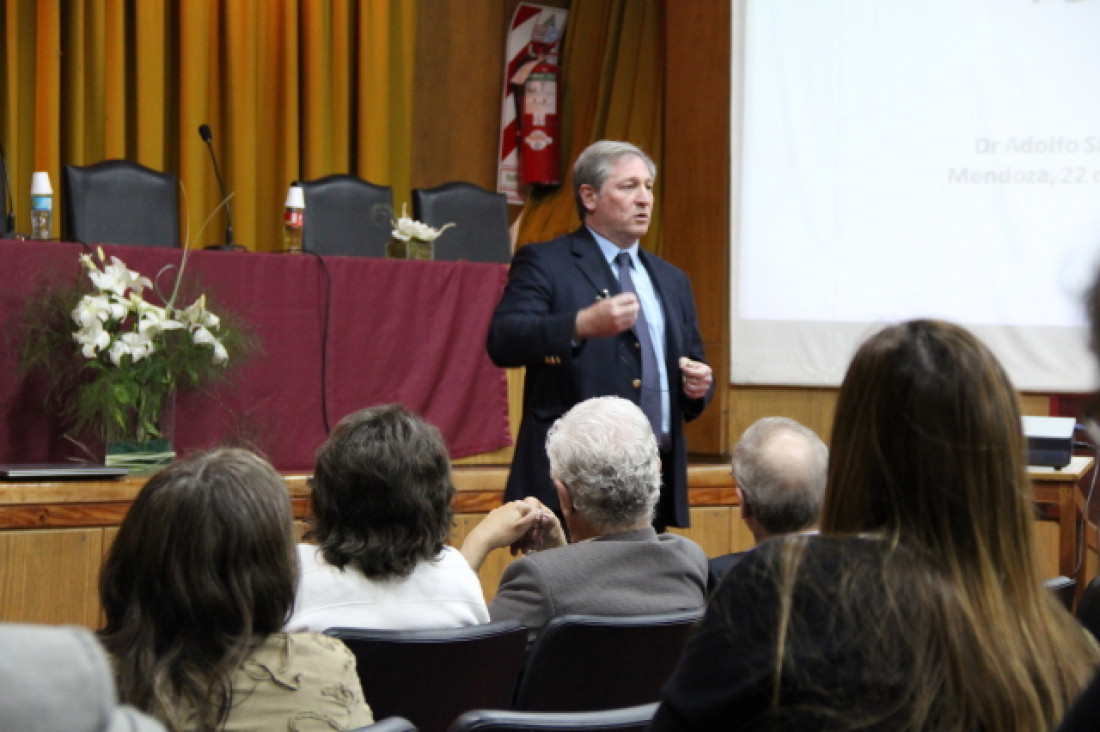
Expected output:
(413, 239)
(130, 353)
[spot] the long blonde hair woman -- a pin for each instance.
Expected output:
(921, 605)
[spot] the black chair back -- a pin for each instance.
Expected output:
(346, 216)
(630, 719)
(1088, 610)
(1084, 713)
(432, 676)
(389, 724)
(480, 218)
(587, 662)
(120, 202)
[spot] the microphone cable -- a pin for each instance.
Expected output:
(9, 197)
(325, 317)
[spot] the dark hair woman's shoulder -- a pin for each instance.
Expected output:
(807, 554)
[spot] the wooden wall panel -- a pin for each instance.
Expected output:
(459, 77)
(696, 185)
(1048, 540)
(711, 528)
(813, 407)
(50, 576)
(456, 103)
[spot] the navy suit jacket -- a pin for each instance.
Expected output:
(533, 327)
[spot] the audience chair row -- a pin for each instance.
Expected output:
(121, 202)
(577, 663)
(630, 719)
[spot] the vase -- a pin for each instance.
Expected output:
(419, 249)
(150, 455)
(397, 249)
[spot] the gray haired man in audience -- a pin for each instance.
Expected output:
(605, 466)
(780, 469)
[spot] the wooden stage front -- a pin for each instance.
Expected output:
(54, 535)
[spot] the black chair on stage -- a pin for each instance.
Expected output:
(630, 719)
(431, 676)
(120, 202)
(480, 217)
(587, 662)
(346, 216)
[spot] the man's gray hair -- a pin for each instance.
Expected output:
(783, 480)
(604, 451)
(594, 165)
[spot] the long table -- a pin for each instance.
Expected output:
(1060, 496)
(397, 331)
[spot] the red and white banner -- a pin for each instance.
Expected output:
(532, 59)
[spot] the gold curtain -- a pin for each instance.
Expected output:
(292, 89)
(613, 84)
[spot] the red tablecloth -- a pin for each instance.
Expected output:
(398, 331)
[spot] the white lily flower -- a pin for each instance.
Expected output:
(91, 309)
(405, 229)
(119, 349)
(92, 339)
(117, 309)
(117, 278)
(196, 315)
(152, 319)
(141, 345)
(203, 337)
(117, 329)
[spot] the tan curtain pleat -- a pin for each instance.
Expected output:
(292, 89)
(612, 77)
(114, 85)
(47, 90)
(147, 108)
(387, 33)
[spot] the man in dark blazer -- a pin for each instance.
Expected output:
(606, 472)
(565, 316)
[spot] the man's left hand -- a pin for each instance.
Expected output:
(696, 377)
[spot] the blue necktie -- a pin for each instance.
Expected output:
(650, 399)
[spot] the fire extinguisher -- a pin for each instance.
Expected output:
(540, 125)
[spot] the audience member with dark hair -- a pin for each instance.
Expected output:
(921, 605)
(382, 516)
(196, 589)
(779, 470)
(606, 470)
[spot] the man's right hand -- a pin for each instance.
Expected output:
(607, 317)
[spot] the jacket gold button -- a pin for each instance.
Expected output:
(637, 383)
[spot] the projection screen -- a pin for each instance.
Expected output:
(895, 159)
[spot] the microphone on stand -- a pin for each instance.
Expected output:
(207, 136)
(9, 198)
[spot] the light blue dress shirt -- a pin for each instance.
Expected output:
(651, 306)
